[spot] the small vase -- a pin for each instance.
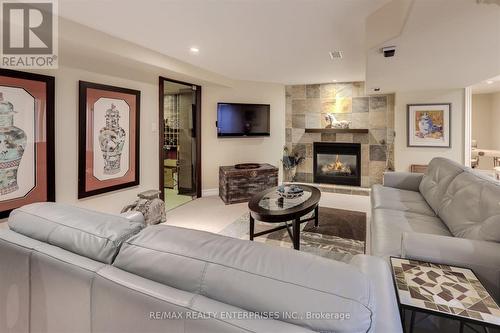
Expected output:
(12, 144)
(291, 173)
(111, 141)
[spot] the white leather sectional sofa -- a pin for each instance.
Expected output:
(66, 269)
(450, 215)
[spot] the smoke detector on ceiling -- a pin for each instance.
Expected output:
(335, 54)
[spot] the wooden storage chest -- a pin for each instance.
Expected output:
(239, 185)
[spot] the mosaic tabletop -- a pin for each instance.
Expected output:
(444, 289)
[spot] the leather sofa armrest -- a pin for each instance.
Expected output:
(387, 318)
(482, 257)
(403, 180)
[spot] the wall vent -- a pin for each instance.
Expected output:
(335, 54)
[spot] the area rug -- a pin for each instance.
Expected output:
(340, 235)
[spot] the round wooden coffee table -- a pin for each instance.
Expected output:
(268, 206)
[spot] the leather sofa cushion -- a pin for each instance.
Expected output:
(388, 225)
(252, 276)
(436, 180)
(91, 234)
(396, 199)
(471, 207)
(43, 287)
(118, 295)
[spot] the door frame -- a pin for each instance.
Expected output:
(161, 130)
(468, 126)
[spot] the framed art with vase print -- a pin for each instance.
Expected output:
(429, 125)
(27, 171)
(108, 147)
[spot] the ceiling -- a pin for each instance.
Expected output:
(488, 86)
(445, 44)
(283, 41)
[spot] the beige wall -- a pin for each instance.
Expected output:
(405, 156)
(482, 120)
(228, 151)
(495, 121)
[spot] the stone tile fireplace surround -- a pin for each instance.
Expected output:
(306, 108)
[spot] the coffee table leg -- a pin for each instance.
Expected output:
(316, 216)
(296, 234)
(252, 225)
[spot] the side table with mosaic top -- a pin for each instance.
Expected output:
(443, 290)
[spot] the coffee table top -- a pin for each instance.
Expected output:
(268, 206)
(443, 290)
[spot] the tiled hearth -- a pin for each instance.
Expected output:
(306, 108)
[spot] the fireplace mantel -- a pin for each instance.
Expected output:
(336, 130)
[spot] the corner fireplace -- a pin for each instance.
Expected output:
(337, 163)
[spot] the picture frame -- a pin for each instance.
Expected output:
(108, 140)
(27, 153)
(429, 125)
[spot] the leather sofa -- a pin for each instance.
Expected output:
(449, 215)
(66, 269)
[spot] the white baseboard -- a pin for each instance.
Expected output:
(210, 192)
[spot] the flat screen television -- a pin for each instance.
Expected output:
(236, 119)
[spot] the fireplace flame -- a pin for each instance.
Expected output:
(336, 167)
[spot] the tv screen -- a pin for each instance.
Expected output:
(234, 119)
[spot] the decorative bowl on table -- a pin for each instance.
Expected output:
(290, 191)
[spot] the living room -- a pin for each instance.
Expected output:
(344, 153)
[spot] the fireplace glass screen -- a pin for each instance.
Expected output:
(336, 165)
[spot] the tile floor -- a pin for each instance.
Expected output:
(174, 200)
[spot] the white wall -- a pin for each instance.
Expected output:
(482, 120)
(88, 59)
(405, 156)
(228, 151)
(66, 128)
(215, 152)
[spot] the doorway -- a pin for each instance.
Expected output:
(179, 142)
(482, 138)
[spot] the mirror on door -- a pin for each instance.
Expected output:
(179, 142)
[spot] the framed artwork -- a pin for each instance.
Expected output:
(429, 125)
(27, 172)
(108, 145)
